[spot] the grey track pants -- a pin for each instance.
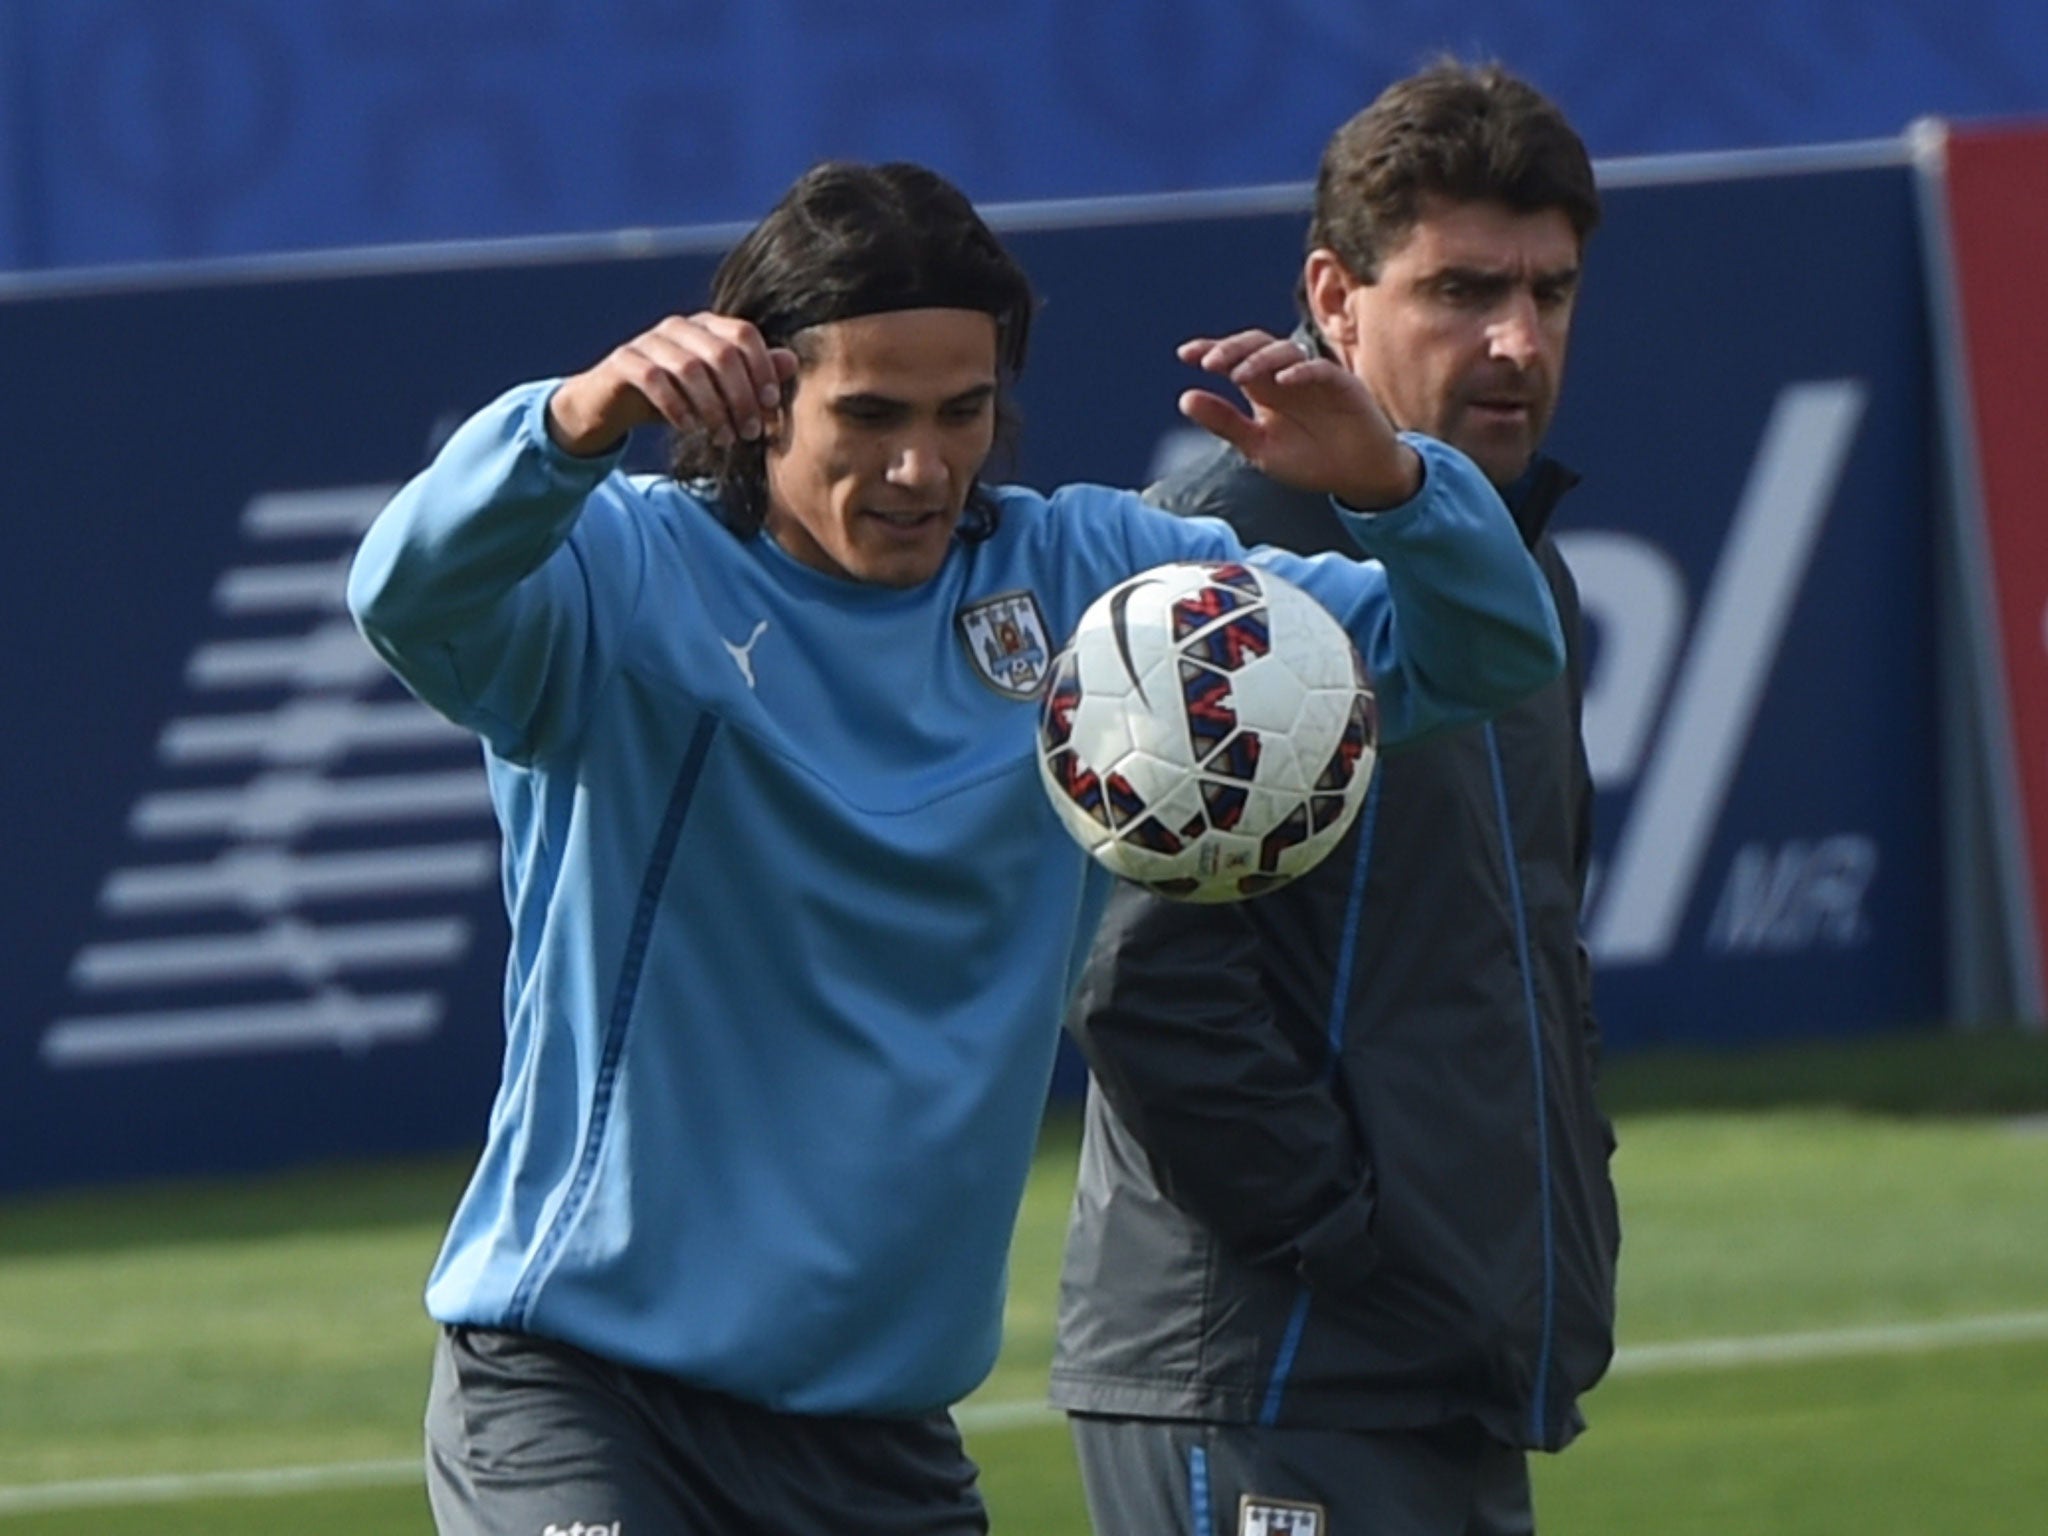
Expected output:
(528, 1437)
(1155, 1477)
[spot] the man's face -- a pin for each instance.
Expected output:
(1463, 336)
(892, 419)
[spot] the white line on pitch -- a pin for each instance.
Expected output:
(994, 1417)
(178, 1487)
(1829, 1343)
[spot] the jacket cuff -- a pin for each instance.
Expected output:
(1428, 450)
(570, 467)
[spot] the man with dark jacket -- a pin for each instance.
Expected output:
(1344, 1240)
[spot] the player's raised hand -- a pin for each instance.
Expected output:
(1313, 424)
(706, 371)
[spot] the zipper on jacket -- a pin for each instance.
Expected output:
(1512, 864)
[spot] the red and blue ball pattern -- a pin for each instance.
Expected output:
(1208, 731)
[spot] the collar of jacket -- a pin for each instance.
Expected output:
(1533, 497)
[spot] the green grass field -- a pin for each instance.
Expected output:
(1835, 1319)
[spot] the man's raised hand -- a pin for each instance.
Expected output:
(705, 371)
(1313, 424)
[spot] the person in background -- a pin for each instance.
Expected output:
(1343, 1245)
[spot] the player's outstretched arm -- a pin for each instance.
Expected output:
(1312, 423)
(704, 371)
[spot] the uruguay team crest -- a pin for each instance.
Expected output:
(1005, 636)
(1258, 1516)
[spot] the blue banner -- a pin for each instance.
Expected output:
(152, 130)
(1750, 401)
(252, 904)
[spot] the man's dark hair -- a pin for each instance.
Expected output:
(849, 240)
(1466, 133)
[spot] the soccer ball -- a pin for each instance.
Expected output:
(1208, 732)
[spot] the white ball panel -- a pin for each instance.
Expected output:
(1277, 668)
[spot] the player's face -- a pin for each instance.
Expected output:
(892, 419)
(1463, 336)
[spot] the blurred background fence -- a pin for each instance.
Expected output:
(144, 130)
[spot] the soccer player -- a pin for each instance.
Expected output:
(1344, 1240)
(792, 924)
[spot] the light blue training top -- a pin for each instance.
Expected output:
(792, 922)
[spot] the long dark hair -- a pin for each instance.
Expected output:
(849, 240)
